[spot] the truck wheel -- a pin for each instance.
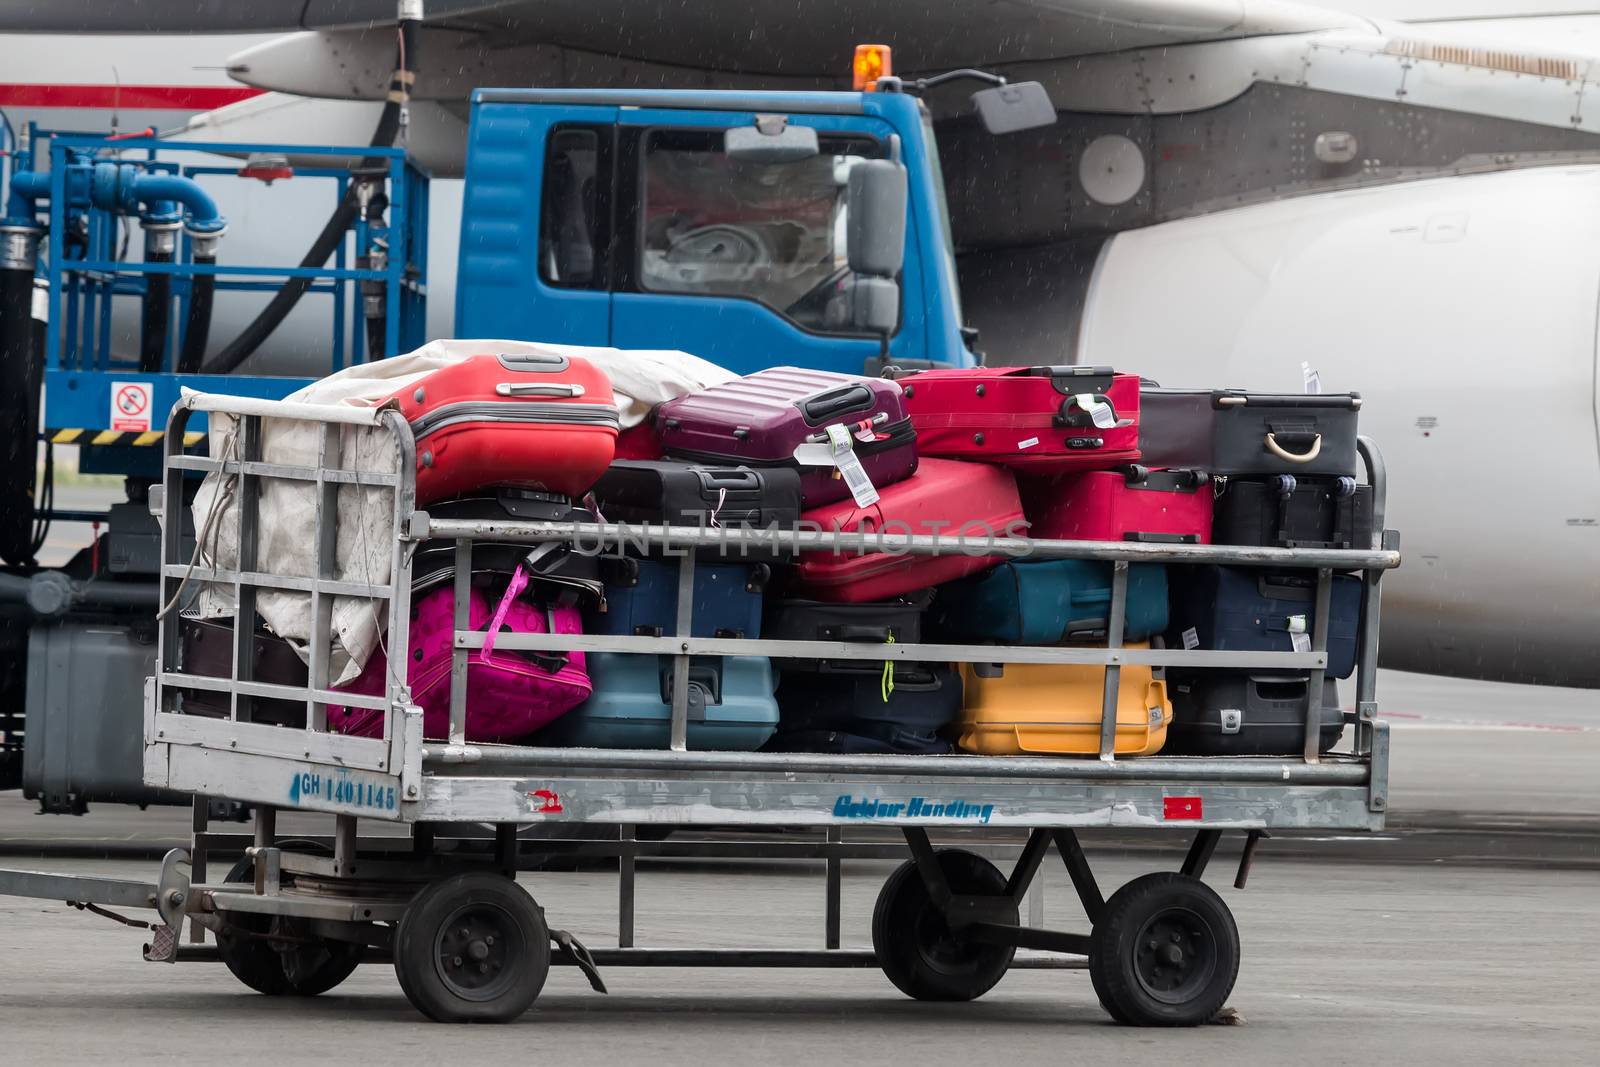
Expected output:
(917, 949)
(290, 967)
(472, 947)
(1165, 952)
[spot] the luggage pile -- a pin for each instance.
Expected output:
(1079, 453)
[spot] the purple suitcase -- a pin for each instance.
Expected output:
(758, 420)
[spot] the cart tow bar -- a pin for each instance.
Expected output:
(172, 894)
(571, 948)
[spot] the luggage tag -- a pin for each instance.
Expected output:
(1312, 378)
(844, 457)
(1101, 412)
(1299, 640)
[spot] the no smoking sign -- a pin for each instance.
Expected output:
(130, 406)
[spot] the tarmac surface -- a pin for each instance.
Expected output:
(1464, 933)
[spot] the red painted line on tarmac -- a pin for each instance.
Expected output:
(158, 97)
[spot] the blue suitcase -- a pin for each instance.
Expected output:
(1043, 602)
(641, 598)
(731, 704)
(907, 718)
(1243, 609)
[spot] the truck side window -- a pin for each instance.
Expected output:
(572, 225)
(769, 232)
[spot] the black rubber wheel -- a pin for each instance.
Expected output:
(1165, 952)
(472, 947)
(288, 967)
(916, 947)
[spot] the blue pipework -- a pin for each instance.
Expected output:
(124, 188)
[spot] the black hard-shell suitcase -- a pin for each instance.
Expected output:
(680, 493)
(908, 717)
(874, 622)
(1284, 511)
(1231, 431)
(554, 563)
(1238, 713)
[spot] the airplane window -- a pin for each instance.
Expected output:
(773, 233)
(570, 240)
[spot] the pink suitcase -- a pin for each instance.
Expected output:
(758, 420)
(543, 422)
(509, 694)
(1040, 420)
(970, 500)
(1131, 503)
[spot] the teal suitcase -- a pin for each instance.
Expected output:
(1043, 602)
(732, 706)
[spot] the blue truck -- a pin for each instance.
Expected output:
(749, 228)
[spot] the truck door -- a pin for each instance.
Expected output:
(535, 224)
(744, 263)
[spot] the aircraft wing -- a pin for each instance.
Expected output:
(767, 41)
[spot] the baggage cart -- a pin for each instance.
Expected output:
(468, 942)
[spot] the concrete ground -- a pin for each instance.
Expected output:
(1462, 934)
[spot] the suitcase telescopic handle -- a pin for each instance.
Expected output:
(567, 389)
(1311, 452)
(838, 401)
(880, 419)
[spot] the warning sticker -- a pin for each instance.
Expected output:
(130, 406)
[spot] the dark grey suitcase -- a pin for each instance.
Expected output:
(1237, 713)
(1231, 431)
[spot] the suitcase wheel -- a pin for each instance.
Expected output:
(1164, 952)
(915, 945)
(472, 947)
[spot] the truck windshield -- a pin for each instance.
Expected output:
(769, 232)
(941, 207)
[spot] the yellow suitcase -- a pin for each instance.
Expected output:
(1038, 708)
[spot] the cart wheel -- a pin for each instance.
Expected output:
(916, 947)
(1165, 952)
(290, 967)
(472, 948)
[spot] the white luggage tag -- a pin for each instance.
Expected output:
(1299, 640)
(844, 457)
(1312, 378)
(1100, 412)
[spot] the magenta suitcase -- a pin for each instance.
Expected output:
(509, 694)
(1037, 420)
(759, 420)
(973, 501)
(1131, 503)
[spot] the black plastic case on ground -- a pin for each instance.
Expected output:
(1231, 431)
(1229, 713)
(1288, 512)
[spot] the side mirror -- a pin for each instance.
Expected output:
(1014, 106)
(773, 139)
(875, 235)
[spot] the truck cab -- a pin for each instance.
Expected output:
(643, 219)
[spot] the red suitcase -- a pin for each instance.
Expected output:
(971, 500)
(546, 422)
(1042, 420)
(1131, 503)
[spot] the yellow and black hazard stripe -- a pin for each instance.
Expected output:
(116, 437)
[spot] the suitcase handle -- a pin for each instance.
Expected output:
(838, 401)
(534, 362)
(857, 632)
(1162, 538)
(727, 478)
(1229, 398)
(1311, 453)
(567, 389)
(1074, 379)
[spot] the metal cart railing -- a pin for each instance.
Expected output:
(947, 924)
